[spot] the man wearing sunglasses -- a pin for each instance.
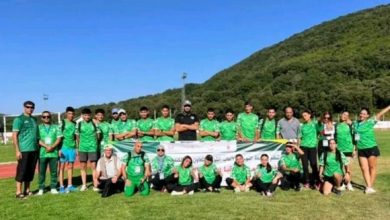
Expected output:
(49, 139)
(162, 169)
(125, 128)
(25, 139)
(187, 123)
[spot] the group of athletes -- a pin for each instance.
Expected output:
(328, 146)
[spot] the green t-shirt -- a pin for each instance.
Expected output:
(165, 165)
(185, 177)
(308, 134)
(291, 161)
(121, 127)
(209, 173)
(268, 129)
(113, 124)
(365, 130)
(265, 176)
(344, 137)
(105, 131)
(87, 133)
(49, 134)
(228, 130)
(27, 129)
(210, 126)
(241, 173)
(332, 166)
(135, 166)
(146, 125)
(164, 124)
(68, 133)
(248, 124)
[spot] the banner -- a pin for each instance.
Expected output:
(223, 152)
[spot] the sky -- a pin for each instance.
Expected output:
(82, 52)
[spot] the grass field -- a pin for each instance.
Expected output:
(308, 204)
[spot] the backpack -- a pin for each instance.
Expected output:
(262, 125)
(63, 124)
(94, 127)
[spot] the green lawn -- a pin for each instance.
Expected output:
(284, 205)
(7, 153)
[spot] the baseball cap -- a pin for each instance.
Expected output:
(121, 111)
(187, 102)
(114, 110)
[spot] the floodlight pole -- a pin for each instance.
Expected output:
(183, 90)
(5, 130)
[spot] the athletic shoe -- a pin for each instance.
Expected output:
(237, 190)
(268, 193)
(71, 188)
(95, 189)
(342, 187)
(191, 192)
(40, 192)
(62, 190)
(53, 191)
(298, 188)
(337, 192)
(247, 189)
(176, 193)
(369, 190)
(83, 188)
(350, 187)
(216, 190)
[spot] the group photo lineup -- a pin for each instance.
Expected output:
(195, 109)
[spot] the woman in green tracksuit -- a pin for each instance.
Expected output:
(291, 167)
(266, 178)
(331, 172)
(240, 178)
(136, 171)
(367, 147)
(185, 180)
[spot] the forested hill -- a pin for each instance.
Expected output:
(339, 64)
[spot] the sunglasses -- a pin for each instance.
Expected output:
(115, 113)
(46, 116)
(29, 106)
(160, 150)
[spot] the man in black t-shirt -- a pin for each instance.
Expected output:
(187, 124)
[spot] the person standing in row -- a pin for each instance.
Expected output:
(164, 126)
(289, 126)
(124, 128)
(248, 123)
(105, 129)
(268, 126)
(87, 136)
(25, 139)
(145, 131)
(367, 146)
(49, 140)
(187, 123)
(228, 128)
(209, 127)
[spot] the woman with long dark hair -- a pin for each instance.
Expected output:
(326, 131)
(266, 178)
(332, 162)
(184, 178)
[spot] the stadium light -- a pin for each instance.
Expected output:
(183, 90)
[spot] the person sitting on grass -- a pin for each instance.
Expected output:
(210, 177)
(290, 167)
(331, 172)
(240, 179)
(162, 166)
(108, 173)
(136, 170)
(185, 180)
(266, 178)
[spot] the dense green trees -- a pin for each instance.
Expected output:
(337, 65)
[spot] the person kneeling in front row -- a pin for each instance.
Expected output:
(108, 174)
(240, 178)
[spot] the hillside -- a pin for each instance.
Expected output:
(339, 64)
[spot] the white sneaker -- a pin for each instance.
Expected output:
(342, 188)
(54, 191)
(268, 193)
(350, 187)
(237, 190)
(191, 193)
(83, 188)
(247, 189)
(40, 192)
(369, 190)
(176, 193)
(95, 189)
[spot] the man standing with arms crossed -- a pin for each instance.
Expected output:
(187, 123)
(289, 126)
(25, 138)
(248, 123)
